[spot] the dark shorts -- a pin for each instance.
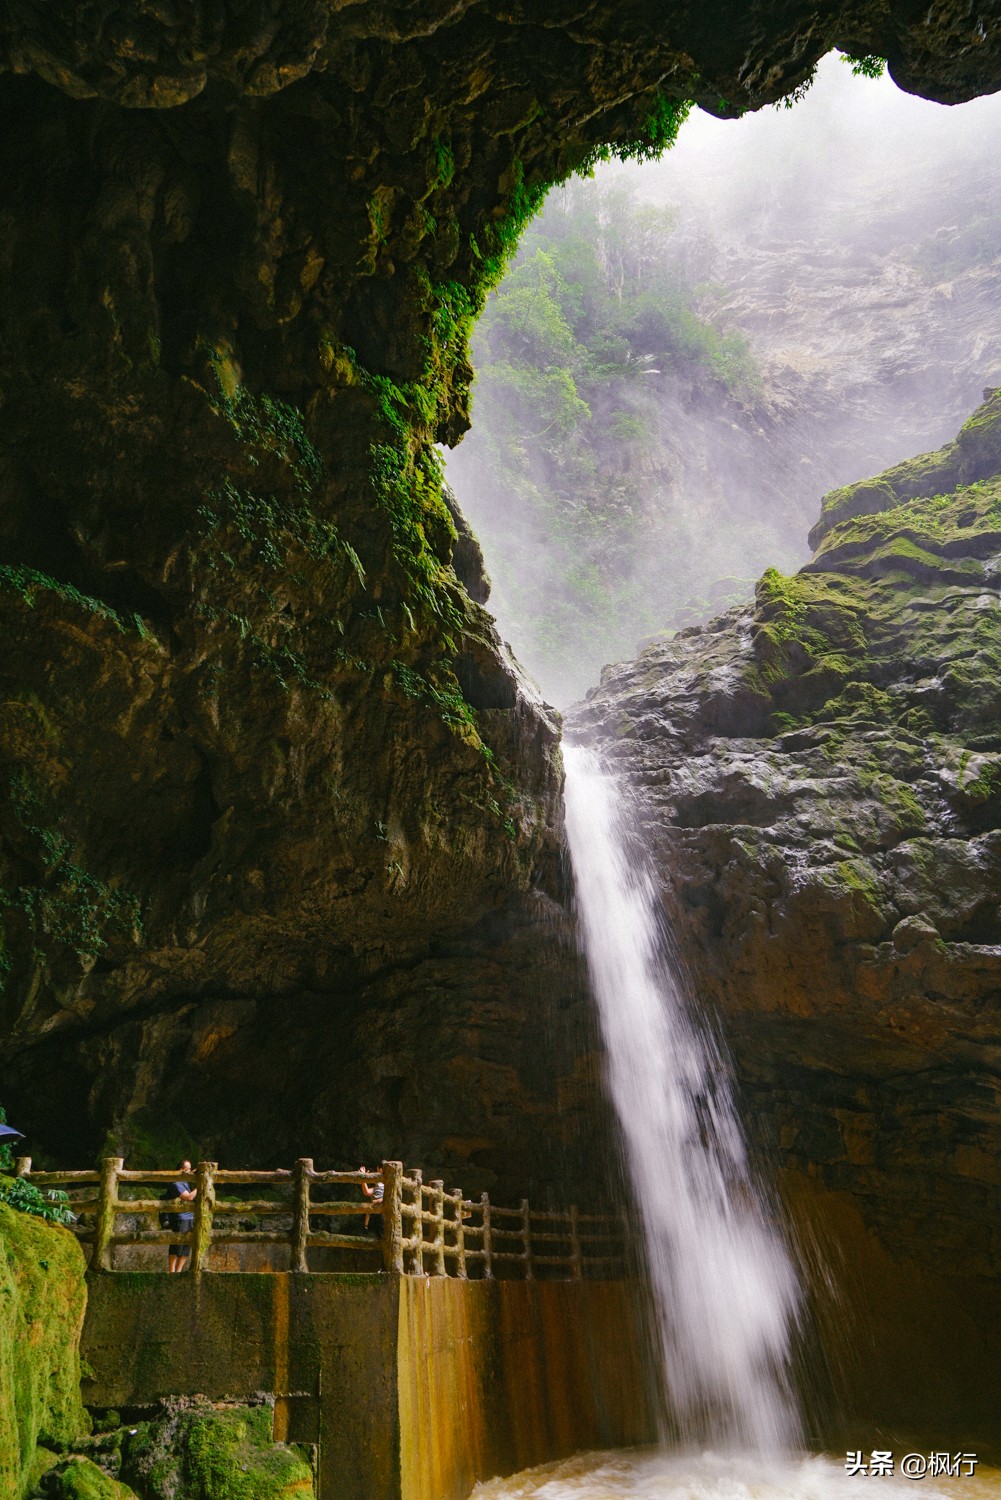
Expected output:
(183, 1224)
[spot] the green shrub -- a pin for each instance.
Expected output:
(52, 1206)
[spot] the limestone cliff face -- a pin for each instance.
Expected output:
(273, 803)
(820, 780)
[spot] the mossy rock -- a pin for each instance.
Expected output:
(974, 455)
(83, 1480)
(42, 1301)
(198, 1451)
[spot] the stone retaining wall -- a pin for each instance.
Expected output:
(410, 1388)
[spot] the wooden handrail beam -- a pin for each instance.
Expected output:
(356, 1178)
(253, 1206)
(280, 1177)
(342, 1208)
(343, 1241)
(55, 1179)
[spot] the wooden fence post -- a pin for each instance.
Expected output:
(439, 1227)
(575, 1256)
(526, 1230)
(22, 1166)
(417, 1256)
(107, 1205)
(201, 1231)
(392, 1217)
(460, 1235)
(300, 1213)
(488, 1250)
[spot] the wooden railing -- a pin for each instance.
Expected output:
(425, 1230)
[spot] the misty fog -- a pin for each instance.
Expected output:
(685, 355)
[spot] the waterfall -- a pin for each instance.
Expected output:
(724, 1288)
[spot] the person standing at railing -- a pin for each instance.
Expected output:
(376, 1191)
(179, 1255)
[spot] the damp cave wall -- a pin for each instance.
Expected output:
(280, 833)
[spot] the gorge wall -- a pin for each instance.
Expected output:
(819, 777)
(280, 832)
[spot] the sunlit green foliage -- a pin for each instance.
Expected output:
(52, 1206)
(865, 65)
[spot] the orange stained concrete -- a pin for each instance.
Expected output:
(496, 1377)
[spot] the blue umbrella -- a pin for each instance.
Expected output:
(8, 1133)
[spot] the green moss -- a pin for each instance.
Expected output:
(267, 526)
(898, 799)
(986, 785)
(44, 1460)
(897, 583)
(974, 455)
(71, 907)
(862, 701)
(29, 583)
(441, 163)
(202, 1452)
(859, 875)
(407, 485)
(261, 535)
(445, 695)
(809, 628)
(83, 1480)
(42, 1299)
(892, 551)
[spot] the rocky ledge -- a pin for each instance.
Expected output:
(819, 776)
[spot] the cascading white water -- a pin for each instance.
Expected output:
(724, 1286)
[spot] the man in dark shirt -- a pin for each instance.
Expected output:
(179, 1255)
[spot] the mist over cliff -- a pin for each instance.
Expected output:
(791, 301)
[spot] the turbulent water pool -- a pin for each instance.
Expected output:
(656, 1475)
